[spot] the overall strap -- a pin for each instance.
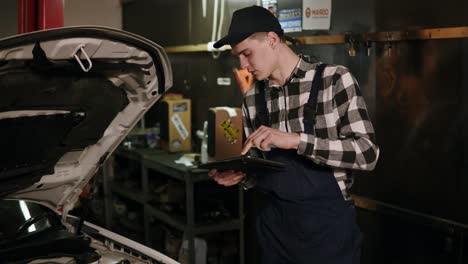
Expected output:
(262, 116)
(310, 108)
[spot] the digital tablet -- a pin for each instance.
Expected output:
(245, 164)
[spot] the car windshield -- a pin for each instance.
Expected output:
(20, 218)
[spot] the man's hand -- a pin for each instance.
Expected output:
(227, 178)
(265, 138)
(244, 78)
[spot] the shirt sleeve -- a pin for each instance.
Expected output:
(355, 147)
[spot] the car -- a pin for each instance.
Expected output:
(69, 96)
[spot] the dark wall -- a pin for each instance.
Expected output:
(201, 27)
(421, 113)
(164, 22)
(195, 74)
(421, 93)
(420, 97)
(417, 98)
(9, 15)
(167, 22)
(403, 14)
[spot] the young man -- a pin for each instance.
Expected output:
(311, 117)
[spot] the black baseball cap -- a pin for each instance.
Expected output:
(247, 21)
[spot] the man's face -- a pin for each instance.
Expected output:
(255, 55)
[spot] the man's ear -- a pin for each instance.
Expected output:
(273, 39)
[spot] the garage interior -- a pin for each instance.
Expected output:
(410, 59)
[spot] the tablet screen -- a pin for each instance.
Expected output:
(245, 164)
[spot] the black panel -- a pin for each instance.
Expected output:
(164, 22)
(31, 144)
(421, 117)
(464, 69)
(402, 14)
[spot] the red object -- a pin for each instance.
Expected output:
(50, 14)
(26, 16)
(39, 14)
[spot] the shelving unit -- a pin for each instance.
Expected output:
(163, 163)
(383, 36)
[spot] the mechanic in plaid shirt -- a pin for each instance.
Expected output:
(313, 118)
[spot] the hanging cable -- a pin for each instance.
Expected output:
(221, 19)
(215, 20)
(216, 54)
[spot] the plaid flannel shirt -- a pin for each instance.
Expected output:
(344, 136)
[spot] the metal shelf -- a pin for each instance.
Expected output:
(129, 194)
(383, 36)
(163, 163)
(227, 225)
(166, 218)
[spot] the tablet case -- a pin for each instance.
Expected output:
(245, 164)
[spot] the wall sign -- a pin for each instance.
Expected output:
(316, 14)
(291, 20)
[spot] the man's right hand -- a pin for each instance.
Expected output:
(227, 178)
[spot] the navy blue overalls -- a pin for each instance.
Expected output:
(305, 219)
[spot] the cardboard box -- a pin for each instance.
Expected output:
(176, 124)
(225, 132)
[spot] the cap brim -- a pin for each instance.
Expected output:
(231, 39)
(218, 44)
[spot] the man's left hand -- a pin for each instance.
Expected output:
(265, 138)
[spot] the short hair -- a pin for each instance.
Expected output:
(262, 35)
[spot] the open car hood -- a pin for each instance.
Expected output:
(69, 96)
